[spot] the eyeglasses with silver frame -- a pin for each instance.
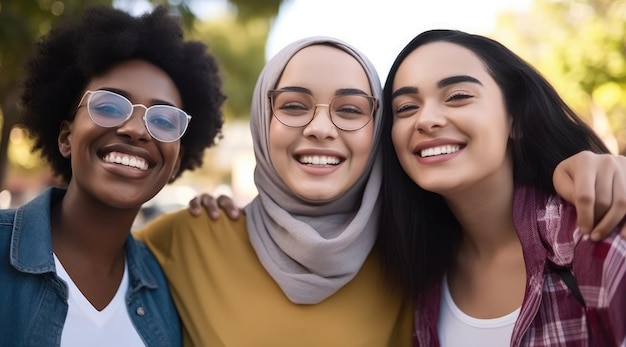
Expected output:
(107, 109)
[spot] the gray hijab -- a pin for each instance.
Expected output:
(311, 249)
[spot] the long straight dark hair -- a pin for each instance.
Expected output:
(419, 235)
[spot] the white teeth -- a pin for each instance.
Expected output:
(126, 160)
(447, 149)
(319, 160)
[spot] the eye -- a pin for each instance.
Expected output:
(162, 117)
(458, 96)
(348, 109)
(293, 106)
(349, 112)
(161, 122)
(405, 109)
(109, 110)
(353, 106)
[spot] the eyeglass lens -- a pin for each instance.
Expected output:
(165, 123)
(347, 112)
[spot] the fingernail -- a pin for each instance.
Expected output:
(586, 237)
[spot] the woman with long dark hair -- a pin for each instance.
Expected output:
(471, 225)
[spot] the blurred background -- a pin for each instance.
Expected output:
(579, 45)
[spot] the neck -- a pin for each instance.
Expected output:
(485, 213)
(87, 229)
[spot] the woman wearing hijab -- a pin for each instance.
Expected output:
(300, 268)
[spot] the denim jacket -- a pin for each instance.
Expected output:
(33, 299)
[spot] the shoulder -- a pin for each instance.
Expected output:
(6, 231)
(7, 218)
(140, 253)
(178, 228)
(611, 250)
(7, 215)
(176, 222)
(602, 264)
(163, 226)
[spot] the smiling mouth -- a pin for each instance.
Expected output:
(126, 160)
(319, 160)
(439, 150)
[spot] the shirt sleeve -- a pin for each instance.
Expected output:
(600, 268)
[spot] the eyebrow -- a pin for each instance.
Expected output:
(441, 84)
(349, 91)
(457, 79)
(403, 91)
(338, 92)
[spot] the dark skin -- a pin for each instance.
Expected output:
(92, 222)
(594, 183)
(93, 256)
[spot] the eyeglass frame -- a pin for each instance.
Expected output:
(273, 92)
(146, 108)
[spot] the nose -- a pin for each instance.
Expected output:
(431, 118)
(321, 127)
(135, 127)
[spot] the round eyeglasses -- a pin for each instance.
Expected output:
(347, 112)
(108, 109)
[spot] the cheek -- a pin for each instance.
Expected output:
(400, 136)
(360, 145)
(277, 139)
(172, 154)
(364, 139)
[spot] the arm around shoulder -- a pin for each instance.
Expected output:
(158, 233)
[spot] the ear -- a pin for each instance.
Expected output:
(65, 139)
(512, 132)
(181, 152)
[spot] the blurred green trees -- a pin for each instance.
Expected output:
(237, 39)
(580, 46)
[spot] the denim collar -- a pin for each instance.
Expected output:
(31, 242)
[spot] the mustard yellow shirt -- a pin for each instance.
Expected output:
(226, 298)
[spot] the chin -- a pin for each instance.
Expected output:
(318, 195)
(435, 186)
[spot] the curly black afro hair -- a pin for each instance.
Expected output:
(66, 59)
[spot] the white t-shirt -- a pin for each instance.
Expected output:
(457, 329)
(86, 326)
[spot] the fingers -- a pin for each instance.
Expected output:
(211, 206)
(204, 203)
(615, 211)
(575, 183)
(583, 200)
(596, 185)
(611, 212)
(195, 207)
(228, 205)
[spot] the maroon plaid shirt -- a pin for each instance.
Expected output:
(550, 315)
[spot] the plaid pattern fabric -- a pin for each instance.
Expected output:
(550, 315)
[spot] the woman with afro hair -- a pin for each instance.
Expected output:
(108, 100)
